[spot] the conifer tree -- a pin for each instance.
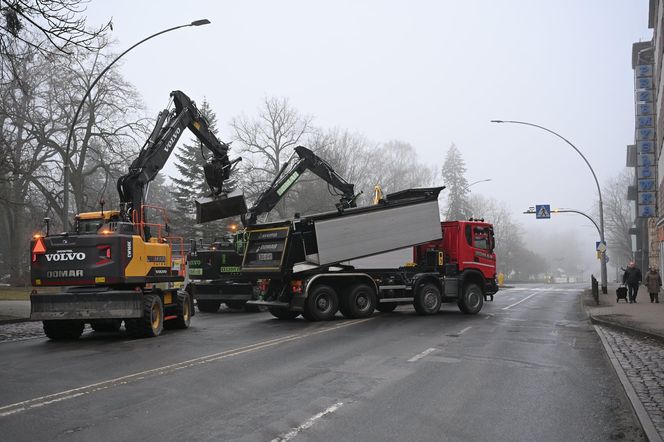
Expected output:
(454, 170)
(190, 159)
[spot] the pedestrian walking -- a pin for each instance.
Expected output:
(654, 282)
(632, 278)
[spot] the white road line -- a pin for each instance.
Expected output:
(308, 424)
(41, 401)
(517, 303)
(464, 330)
(421, 355)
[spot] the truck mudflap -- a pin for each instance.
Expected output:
(110, 304)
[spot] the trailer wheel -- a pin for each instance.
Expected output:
(106, 325)
(208, 306)
(359, 303)
(427, 299)
(321, 304)
(283, 313)
(472, 299)
(386, 307)
(235, 305)
(184, 310)
(63, 330)
(152, 322)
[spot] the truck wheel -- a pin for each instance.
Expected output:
(63, 330)
(321, 304)
(208, 306)
(472, 299)
(427, 299)
(235, 305)
(152, 322)
(360, 302)
(106, 325)
(283, 313)
(184, 309)
(386, 307)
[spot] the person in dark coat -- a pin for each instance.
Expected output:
(653, 281)
(632, 278)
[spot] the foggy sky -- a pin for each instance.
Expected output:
(430, 73)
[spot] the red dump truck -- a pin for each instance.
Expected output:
(325, 263)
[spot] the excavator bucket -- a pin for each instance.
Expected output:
(214, 208)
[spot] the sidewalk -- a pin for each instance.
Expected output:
(14, 311)
(643, 317)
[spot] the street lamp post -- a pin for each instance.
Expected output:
(478, 181)
(65, 201)
(599, 192)
(531, 211)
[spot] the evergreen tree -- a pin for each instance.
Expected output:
(190, 159)
(453, 172)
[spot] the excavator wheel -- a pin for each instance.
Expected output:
(184, 312)
(152, 322)
(63, 330)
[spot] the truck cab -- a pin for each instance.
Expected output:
(466, 250)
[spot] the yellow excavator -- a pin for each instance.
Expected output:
(116, 265)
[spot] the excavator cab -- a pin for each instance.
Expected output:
(90, 223)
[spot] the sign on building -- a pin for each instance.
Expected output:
(646, 167)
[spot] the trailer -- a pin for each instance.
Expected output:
(214, 276)
(317, 265)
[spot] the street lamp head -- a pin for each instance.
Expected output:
(202, 22)
(497, 121)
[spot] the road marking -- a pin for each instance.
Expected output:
(464, 330)
(517, 303)
(423, 354)
(308, 424)
(41, 401)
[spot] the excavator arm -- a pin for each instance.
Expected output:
(288, 176)
(133, 186)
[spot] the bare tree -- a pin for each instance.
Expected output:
(267, 141)
(107, 133)
(513, 256)
(618, 217)
(60, 23)
(37, 102)
(395, 166)
(350, 155)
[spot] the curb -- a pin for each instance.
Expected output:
(15, 321)
(642, 415)
(596, 320)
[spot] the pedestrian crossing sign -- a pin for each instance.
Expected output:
(543, 211)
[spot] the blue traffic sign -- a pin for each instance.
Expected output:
(543, 211)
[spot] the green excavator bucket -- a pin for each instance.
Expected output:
(214, 208)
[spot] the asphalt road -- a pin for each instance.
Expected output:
(528, 367)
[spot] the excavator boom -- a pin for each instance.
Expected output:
(132, 187)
